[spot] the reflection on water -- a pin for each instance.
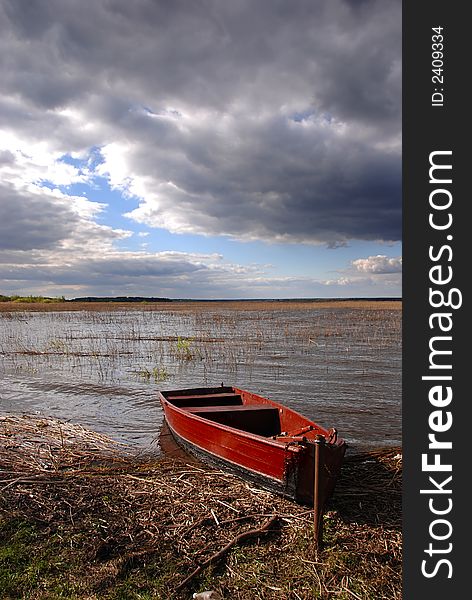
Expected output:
(339, 366)
(169, 446)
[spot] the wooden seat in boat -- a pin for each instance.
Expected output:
(261, 419)
(227, 408)
(206, 400)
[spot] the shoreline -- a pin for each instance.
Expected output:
(81, 517)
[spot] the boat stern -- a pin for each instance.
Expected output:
(330, 467)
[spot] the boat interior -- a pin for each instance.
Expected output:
(225, 406)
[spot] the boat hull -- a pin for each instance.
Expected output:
(283, 464)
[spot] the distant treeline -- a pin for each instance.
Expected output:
(45, 299)
(119, 299)
(154, 299)
(360, 299)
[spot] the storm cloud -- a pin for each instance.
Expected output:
(32, 220)
(266, 120)
(273, 120)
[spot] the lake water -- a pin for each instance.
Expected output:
(102, 369)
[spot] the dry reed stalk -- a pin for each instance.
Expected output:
(196, 306)
(128, 511)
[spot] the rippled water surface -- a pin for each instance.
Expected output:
(338, 366)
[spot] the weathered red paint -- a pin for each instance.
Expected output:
(276, 449)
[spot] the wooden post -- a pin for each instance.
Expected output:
(318, 494)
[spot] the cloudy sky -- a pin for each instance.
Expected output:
(200, 148)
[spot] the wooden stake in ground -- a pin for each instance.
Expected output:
(318, 496)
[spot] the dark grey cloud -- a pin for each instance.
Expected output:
(272, 178)
(289, 111)
(340, 58)
(37, 219)
(175, 275)
(96, 271)
(31, 221)
(166, 273)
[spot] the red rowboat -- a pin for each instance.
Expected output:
(257, 439)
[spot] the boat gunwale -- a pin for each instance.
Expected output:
(239, 432)
(282, 443)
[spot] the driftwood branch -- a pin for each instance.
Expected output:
(221, 553)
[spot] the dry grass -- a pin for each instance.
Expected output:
(82, 518)
(195, 306)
